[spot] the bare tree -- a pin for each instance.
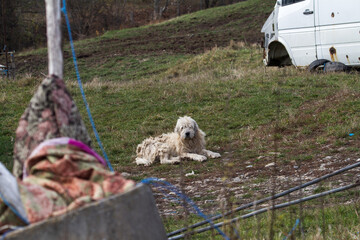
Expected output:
(179, 4)
(211, 3)
(158, 10)
(82, 17)
(207, 3)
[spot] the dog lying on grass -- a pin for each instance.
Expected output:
(187, 141)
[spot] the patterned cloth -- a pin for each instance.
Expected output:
(56, 169)
(51, 113)
(61, 177)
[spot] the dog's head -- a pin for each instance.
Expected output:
(186, 127)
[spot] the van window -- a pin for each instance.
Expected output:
(288, 2)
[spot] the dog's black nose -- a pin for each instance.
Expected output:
(187, 134)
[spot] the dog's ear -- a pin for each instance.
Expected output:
(196, 127)
(177, 127)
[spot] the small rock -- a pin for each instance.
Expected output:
(281, 178)
(190, 174)
(270, 164)
(274, 153)
(125, 174)
(322, 167)
(237, 179)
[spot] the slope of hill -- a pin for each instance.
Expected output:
(139, 81)
(168, 41)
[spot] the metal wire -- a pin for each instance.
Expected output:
(278, 206)
(317, 180)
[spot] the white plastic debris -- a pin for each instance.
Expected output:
(270, 164)
(9, 191)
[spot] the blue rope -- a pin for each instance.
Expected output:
(236, 232)
(293, 229)
(163, 184)
(24, 219)
(63, 9)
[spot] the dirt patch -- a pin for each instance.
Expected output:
(212, 192)
(192, 37)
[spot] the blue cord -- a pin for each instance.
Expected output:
(63, 9)
(24, 219)
(163, 184)
(293, 229)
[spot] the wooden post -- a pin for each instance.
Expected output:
(53, 22)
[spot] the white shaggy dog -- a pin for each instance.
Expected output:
(187, 141)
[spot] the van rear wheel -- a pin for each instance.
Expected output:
(317, 64)
(335, 67)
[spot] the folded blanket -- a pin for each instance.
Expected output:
(52, 113)
(60, 175)
(55, 167)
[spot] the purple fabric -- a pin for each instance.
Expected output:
(87, 149)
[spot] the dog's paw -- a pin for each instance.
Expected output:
(200, 158)
(142, 161)
(214, 155)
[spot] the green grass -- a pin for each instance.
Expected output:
(332, 223)
(139, 90)
(230, 95)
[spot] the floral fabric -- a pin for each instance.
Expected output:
(61, 178)
(52, 113)
(56, 169)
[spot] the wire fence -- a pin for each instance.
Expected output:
(323, 214)
(296, 200)
(290, 205)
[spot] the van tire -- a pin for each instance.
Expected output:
(335, 67)
(317, 63)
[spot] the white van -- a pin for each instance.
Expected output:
(300, 32)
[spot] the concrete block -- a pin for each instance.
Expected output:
(129, 216)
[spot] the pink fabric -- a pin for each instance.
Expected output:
(64, 141)
(86, 149)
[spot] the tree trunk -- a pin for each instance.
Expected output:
(207, 4)
(156, 9)
(4, 35)
(213, 3)
(163, 9)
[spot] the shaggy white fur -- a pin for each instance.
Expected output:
(187, 141)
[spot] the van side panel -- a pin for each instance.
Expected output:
(338, 11)
(297, 29)
(338, 30)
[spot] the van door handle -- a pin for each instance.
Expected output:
(308, 12)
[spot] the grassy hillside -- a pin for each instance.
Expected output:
(139, 81)
(134, 53)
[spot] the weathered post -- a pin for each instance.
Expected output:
(53, 30)
(129, 216)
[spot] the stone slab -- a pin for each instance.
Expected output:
(129, 216)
